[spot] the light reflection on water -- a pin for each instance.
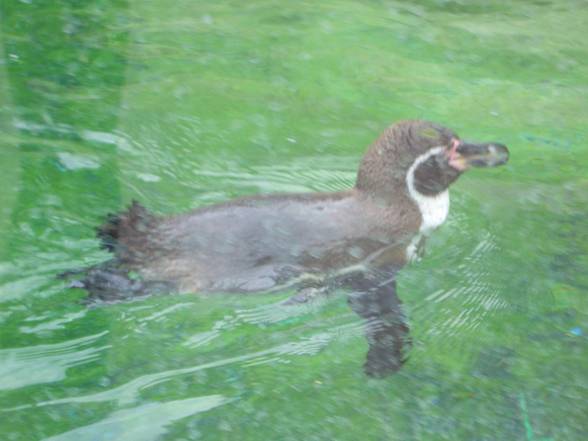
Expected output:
(129, 393)
(20, 367)
(145, 422)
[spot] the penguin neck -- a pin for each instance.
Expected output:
(433, 208)
(382, 172)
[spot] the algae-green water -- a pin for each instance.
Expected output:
(179, 104)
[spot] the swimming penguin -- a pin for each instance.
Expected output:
(355, 239)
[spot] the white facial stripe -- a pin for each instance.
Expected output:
(434, 209)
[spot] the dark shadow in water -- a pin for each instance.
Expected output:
(386, 327)
(65, 63)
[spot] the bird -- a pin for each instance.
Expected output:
(355, 239)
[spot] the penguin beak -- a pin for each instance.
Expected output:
(462, 155)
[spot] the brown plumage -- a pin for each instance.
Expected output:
(356, 238)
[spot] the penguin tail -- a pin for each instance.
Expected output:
(122, 231)
(127, 235)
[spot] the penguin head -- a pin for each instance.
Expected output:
(424, 157)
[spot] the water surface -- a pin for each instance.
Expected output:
(181, 104)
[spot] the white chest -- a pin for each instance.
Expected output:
(433, 210)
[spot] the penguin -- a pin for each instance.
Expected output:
(356, 239)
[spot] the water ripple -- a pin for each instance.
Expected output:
(129, 392)
(147, 422)
(26, 366)
(53, 324)
(477, 295)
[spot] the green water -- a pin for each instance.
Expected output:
(182, 103)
